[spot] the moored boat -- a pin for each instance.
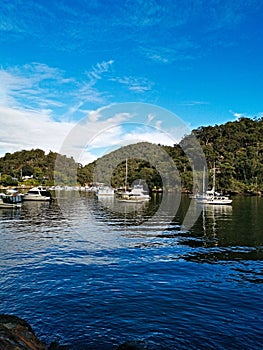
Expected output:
(212, 197)
(136, 195)
(10, 200)
(105, 191)
(38, 194)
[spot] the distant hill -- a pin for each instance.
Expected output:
(236, 149)
(34, 164)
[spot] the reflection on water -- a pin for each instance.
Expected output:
(213, 216)
(88, 271)
(10, 213)
(228, 233)
(117, 210)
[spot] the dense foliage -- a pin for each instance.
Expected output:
(34, 167)
(235, 148)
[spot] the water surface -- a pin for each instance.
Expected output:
(91, 276)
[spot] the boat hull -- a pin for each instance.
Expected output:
(214, 201)
(38, 194)
(139, 200)
(11, 206)
(10, 201)
(37, 199)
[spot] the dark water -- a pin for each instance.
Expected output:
(91, 277)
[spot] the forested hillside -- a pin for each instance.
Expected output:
(32, 167)
(236, 149)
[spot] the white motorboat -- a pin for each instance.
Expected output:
(38, 194)
(105, 191)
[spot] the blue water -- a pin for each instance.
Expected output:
(90, 277)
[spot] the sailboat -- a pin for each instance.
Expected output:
(212, 197)
(137, 193)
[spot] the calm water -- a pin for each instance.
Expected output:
(88, 276)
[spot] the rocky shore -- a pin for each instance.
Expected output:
(17, 334)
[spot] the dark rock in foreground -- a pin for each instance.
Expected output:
(16, 334)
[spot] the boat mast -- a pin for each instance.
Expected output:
(204, 181)
(126, 175)
(214, 178)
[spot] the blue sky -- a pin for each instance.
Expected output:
(62, 61)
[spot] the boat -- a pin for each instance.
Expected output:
(139, 192)
(105, 191)
(13, 200)
(38, 194)
(211, 196)
(12, 191)
(136, 195)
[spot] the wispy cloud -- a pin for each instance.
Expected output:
(38, 86)
(135, 84)
(144, 14)
(98, 70)
(134, 18)
(194, 103)
(88, 92)
(228, 14)
(31, 86)
(181, 50)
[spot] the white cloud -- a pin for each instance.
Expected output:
(93, 116)
(107, 137)
(238, 115)
(26, 130)
(21, 129)
(155, 136)
(115, 136)
(93, 133)
(86, 140)
(246, 115)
